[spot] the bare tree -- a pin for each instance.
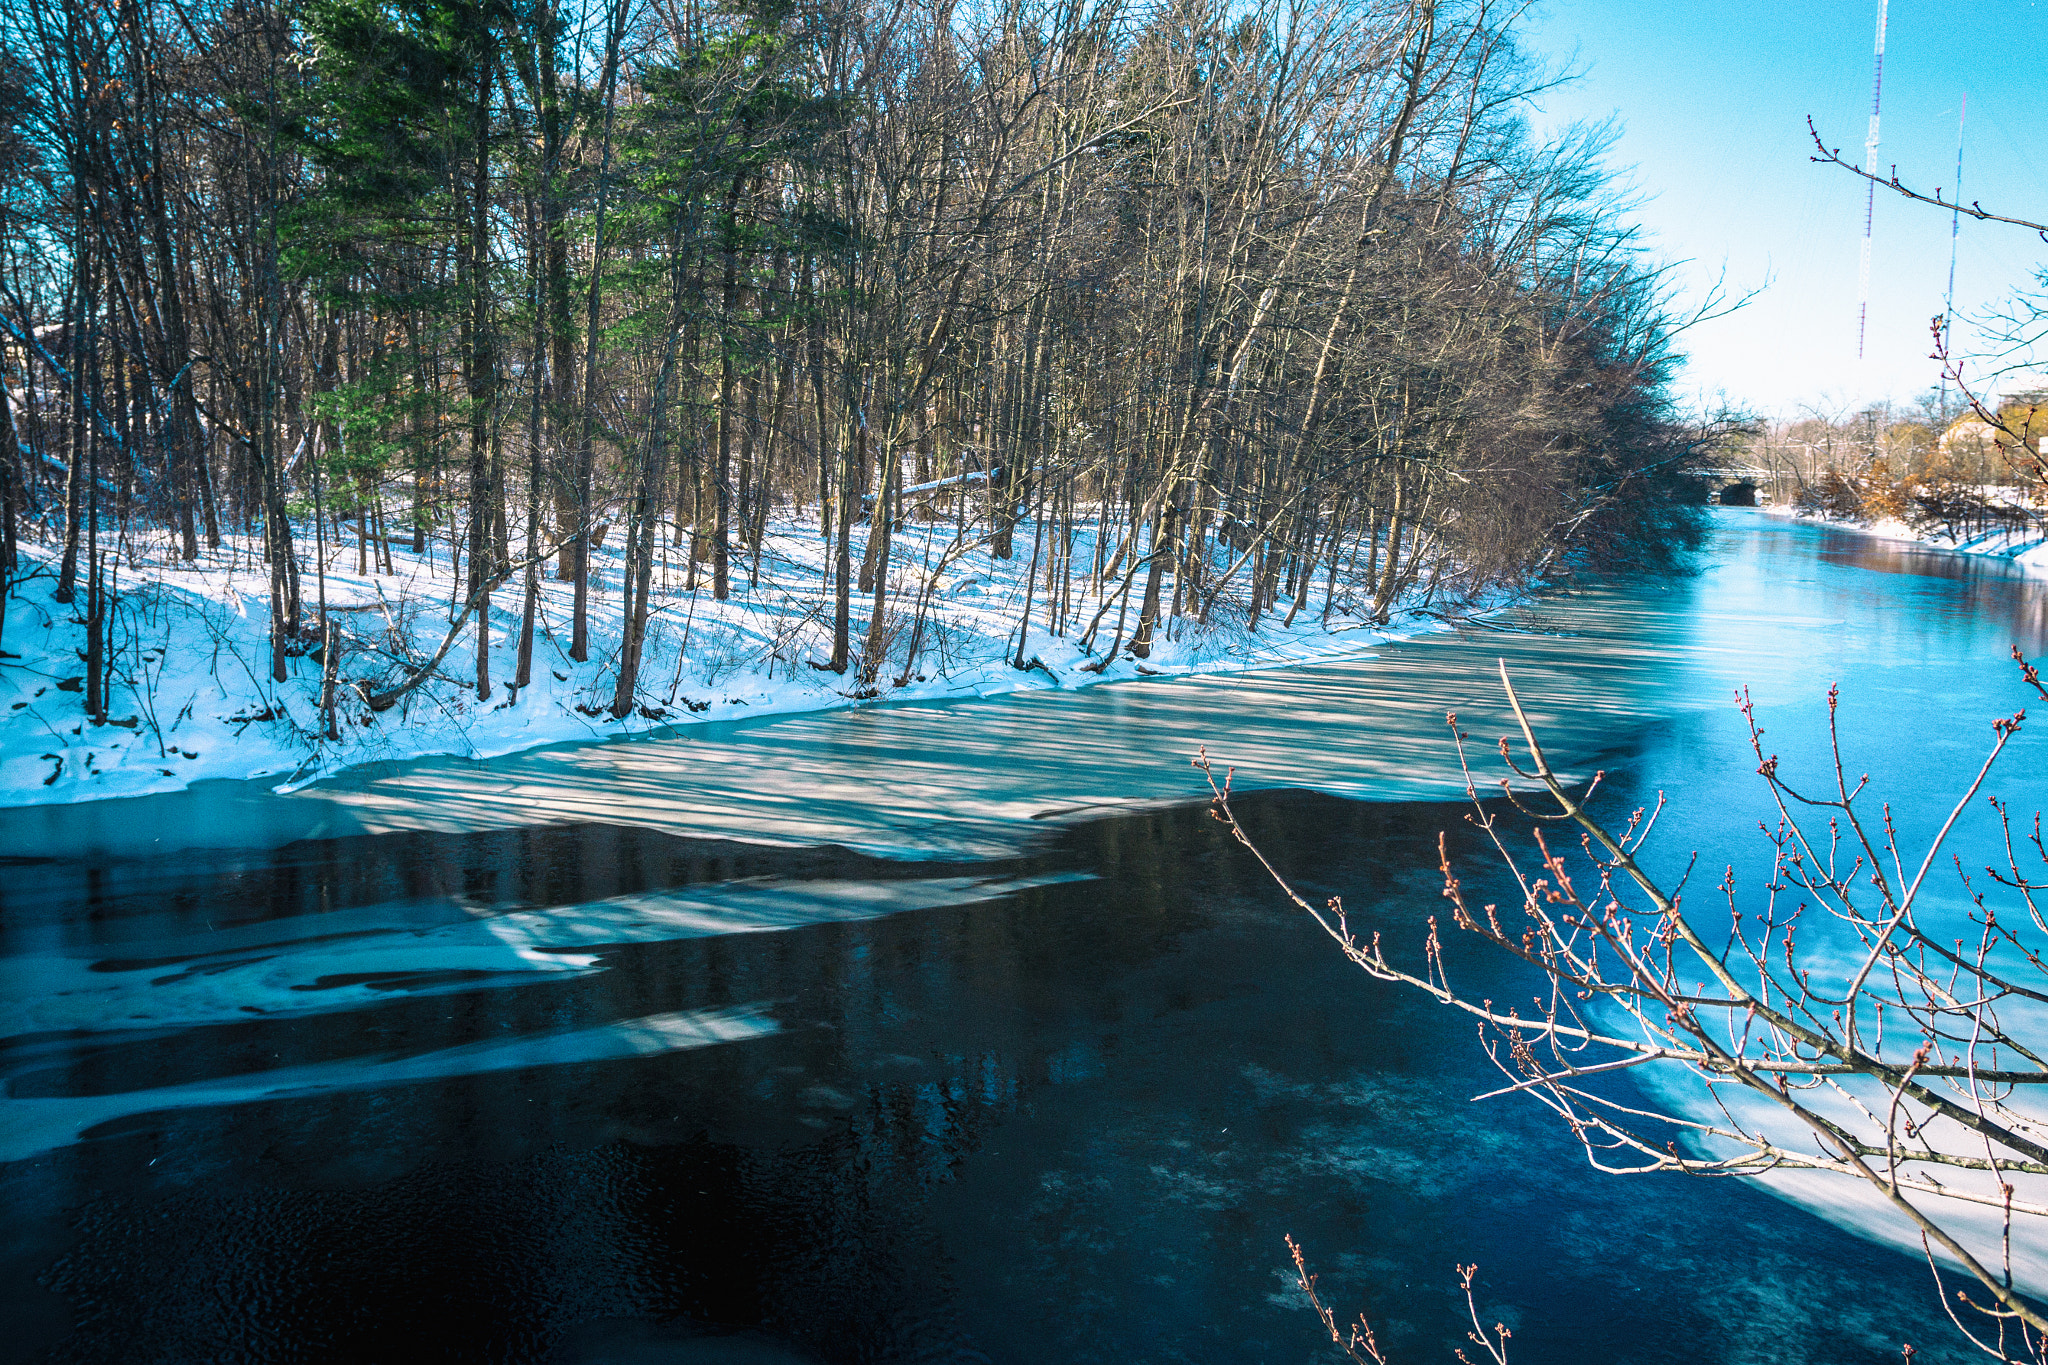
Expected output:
(1832, 156)
(1271, 297)
(1360, 1344)
(2016, 331)
(1833, 1022)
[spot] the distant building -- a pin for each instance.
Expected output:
(2024, 415)
(1970, 435)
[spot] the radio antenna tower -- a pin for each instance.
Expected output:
(1955, 227)
(1870, 169)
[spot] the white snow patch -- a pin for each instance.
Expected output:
(191, 695)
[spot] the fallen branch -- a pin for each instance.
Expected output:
(390, 696)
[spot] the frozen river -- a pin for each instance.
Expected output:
(937, 1032)
(976, 777)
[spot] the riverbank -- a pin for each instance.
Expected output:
(191, 696)
(2024, 548)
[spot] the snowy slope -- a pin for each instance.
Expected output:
(2028, 549)
(193, 697)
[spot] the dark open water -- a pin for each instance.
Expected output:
(517, 1095)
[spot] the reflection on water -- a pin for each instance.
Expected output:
(382, 1078)
(1919, 642)
(33, 1122)
(1856, 550)
(1069, 1124)
(152, 974)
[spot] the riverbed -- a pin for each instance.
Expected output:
(941, 1031)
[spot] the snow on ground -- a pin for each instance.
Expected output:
(2026, 548)
(192, 696)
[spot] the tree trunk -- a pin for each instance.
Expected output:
(645, 512)
(579, 631)
(1148, 614)
(849, 500)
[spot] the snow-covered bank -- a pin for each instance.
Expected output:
(2026, 548)
(192, 697)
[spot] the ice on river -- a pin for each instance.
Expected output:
(31, 1126)
(978, 777)
(155, 976)
(354, 958)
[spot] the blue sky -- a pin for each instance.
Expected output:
(1714, 96)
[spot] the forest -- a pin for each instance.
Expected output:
(453, 323)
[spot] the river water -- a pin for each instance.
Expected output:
(933, 1032)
